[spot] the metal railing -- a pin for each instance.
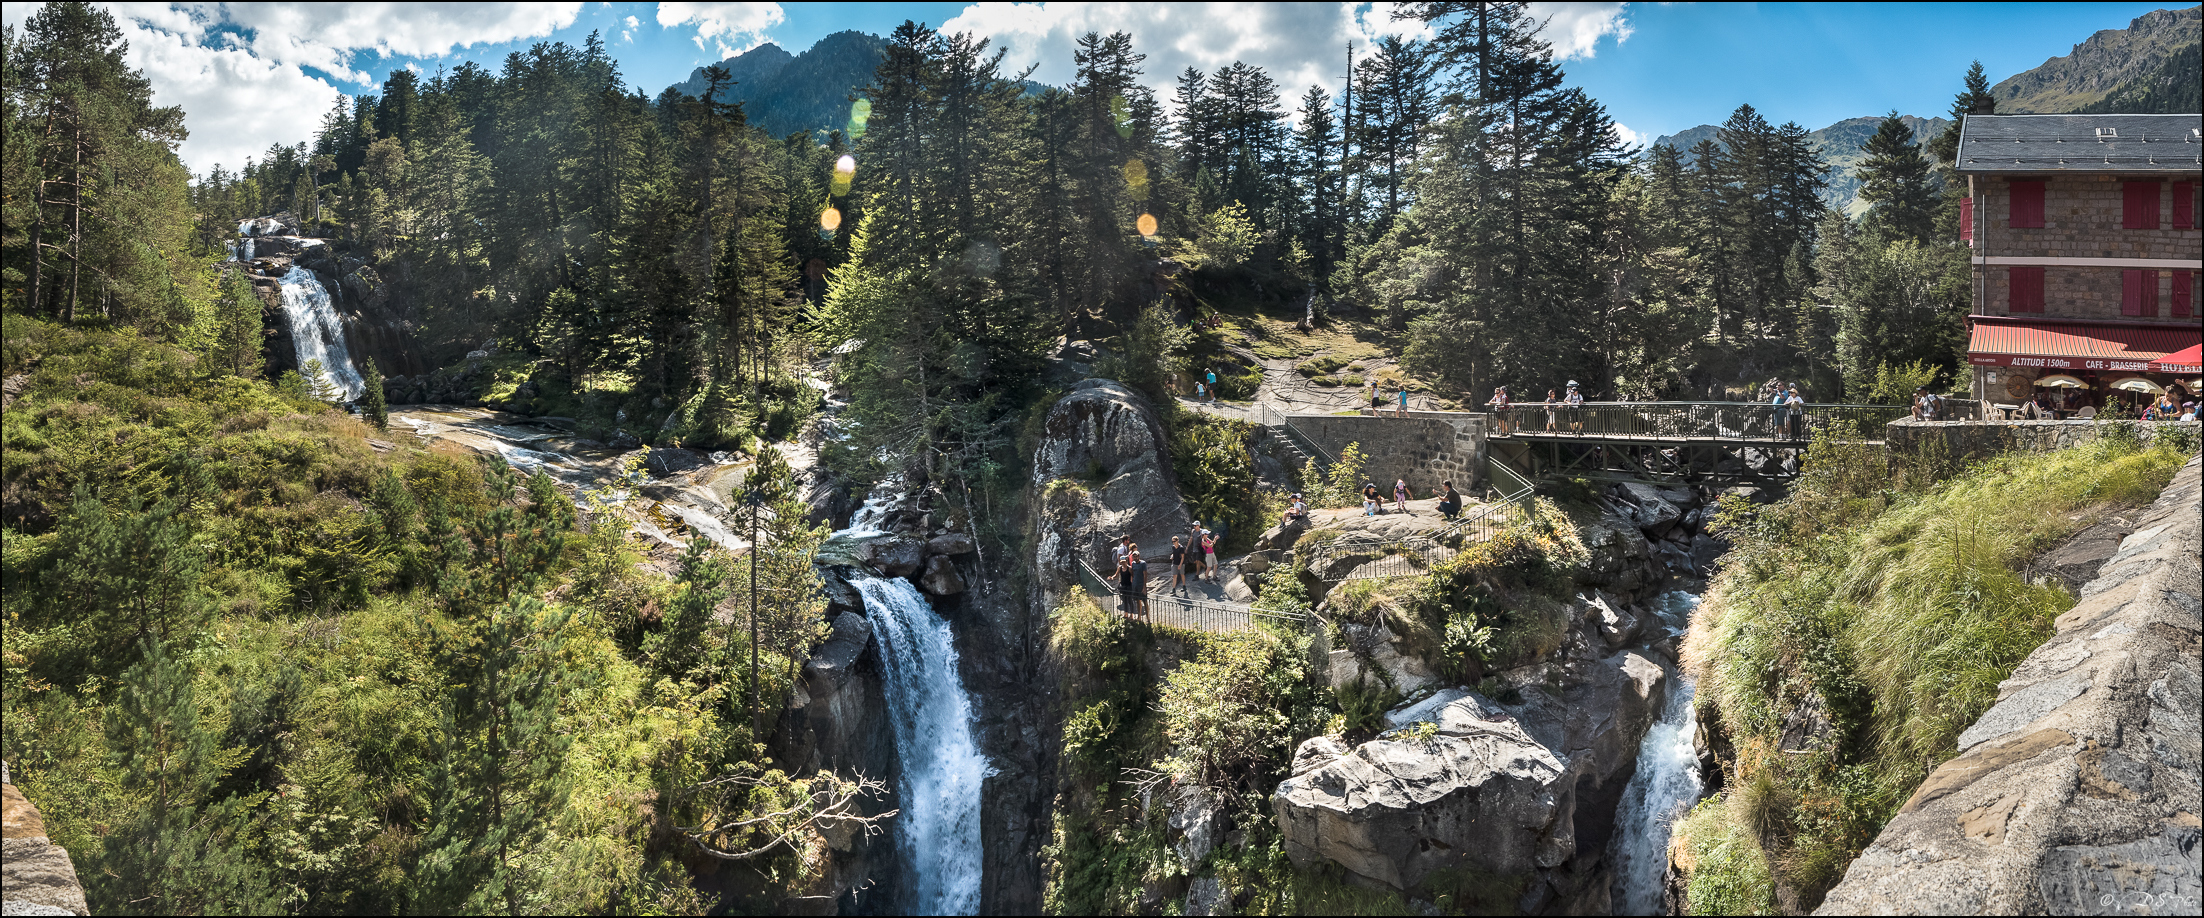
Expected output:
(1185, 611)
(1270, 416)
(1673, 421)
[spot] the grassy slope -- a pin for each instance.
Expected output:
(1895, 614)
(313, 657)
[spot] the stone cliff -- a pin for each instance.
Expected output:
(36, 875)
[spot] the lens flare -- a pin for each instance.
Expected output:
(860, 112)
(845, 169)
(830, 220)
(1147, 224)
(1136, 179)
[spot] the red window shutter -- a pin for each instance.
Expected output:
(2026, 210)
(2139, 208)
(2184, 205)
(2026, 294)
(1966, 219)
(2184, 293)
(2139, 293)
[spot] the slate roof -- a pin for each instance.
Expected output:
(2081, 143)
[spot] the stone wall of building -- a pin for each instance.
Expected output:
(1963, 440)
(1426, 447)
(2082, 218)
(2078, 791)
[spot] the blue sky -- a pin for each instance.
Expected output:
(251, 74)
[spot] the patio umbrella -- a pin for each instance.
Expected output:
(2139, 384)
(2181, 361)
(2061, 381)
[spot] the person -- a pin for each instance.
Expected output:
(1209, 554)
(1400, 494)
(1499, 405)
(1125, 601)
(1920, 404)
(1124, 544)
(1450, 501)
(1551, 401)
(1575, 401)
(1370, 505)
(1296, 509)
(1194, 536)
(1139, 588)
(1212, 384)
(1369, 393)
(1403, 401)
(1178, 563)
(1794, 420)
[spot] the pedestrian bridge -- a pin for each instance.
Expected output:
(1699, 442)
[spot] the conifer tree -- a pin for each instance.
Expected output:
(1895, 181)
(371, 396)
(179, 852)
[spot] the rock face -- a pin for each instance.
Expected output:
(2078, 792)
(1480, 793)
(36, 875)
(1105, 436)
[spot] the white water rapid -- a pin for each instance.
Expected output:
(938, 832)
(1663, 789)
(317, 333)
(243, 250)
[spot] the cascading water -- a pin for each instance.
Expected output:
(243, 250)
(1662, 790)
(317, 332)
(938, 831)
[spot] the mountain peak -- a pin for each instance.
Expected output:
(2102, 64)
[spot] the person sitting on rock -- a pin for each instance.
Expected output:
(1370, 500)
(1450, 500)
(1296, 509)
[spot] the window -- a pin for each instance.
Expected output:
(2139, 205)
(1966, 220)
(2026, 206)
(2184, 205)
(2027, 290)
(2184, 293)
(2139, 293)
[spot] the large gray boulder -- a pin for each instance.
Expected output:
(1104, 437)
(1480, 793)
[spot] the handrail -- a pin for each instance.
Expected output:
(1188, 612)
(1686, 420)
(1269, 415)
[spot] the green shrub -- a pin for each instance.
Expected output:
(1728, 875)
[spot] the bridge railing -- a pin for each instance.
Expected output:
(1185, 611)
(1689, 420)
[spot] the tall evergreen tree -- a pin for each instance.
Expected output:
(1895, 181)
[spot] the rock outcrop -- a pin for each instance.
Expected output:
(2078, 791)
(1105, 438)
(36, 875)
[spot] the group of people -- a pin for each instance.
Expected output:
(1373, 500)
(1554, 404)
(1400, 399)
(2168, 408)
(1194, 553)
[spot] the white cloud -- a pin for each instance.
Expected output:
(1298, 44)
(1630, 137)
(237, 68)
(1575, 29)
(732, 27)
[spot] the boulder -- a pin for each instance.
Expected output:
(1656, 512)
(1283, 535)
(1480, 794)
(893, 556)
(1207, 896)
(1616, 625)
(1373, 656)
(672, 461)
(941, 578)
(829, 667)
(1197, 820)
(1105, 438)
(952, 543)
(1238, 590)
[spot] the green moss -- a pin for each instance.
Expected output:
(1727, 873)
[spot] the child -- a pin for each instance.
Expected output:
(1209, 553)
(1400, 494)
(1178, 564)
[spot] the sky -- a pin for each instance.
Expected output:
(252, 74)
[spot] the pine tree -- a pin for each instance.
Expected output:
(1895, 181)
(371, 397)
(504, 776)
(179, 852)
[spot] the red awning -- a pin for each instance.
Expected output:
(2074, 345)
(2188, 360)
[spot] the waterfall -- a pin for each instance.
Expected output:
(1663, 789)
(938, 832)
(243, 250)
(317, 332)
